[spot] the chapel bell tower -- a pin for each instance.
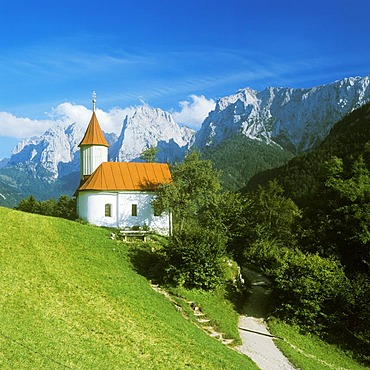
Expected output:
(93, 147)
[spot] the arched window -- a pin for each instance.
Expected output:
(108, 210)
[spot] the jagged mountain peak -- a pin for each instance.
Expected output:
(296, 119)
(54, 151)
(147, 127)
(290, 118)
(146, 111)
(246, 95)
(57, 152)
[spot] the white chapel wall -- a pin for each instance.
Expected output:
(91, 207)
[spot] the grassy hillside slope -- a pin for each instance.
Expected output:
(70, 299)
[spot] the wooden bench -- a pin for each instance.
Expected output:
(134, 233)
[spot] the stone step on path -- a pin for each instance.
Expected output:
(203, 321)
(209, 330)
(198, 314)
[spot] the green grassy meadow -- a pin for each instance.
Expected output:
(71, 299)
(307, 351)
(215, 307)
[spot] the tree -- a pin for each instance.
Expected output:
(338, 223)
(66, 208)
(196, 250)
(270, 216)
(194, 187)
(149, 155)
(28, 205)
(195, 258)
(311, 291)
(227, 214)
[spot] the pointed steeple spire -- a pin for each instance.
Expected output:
(94, 134)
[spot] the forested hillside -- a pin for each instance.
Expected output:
(302, 175)
(240, 157)
(308, 228)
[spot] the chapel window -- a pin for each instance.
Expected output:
(108, 210)
(134, 210)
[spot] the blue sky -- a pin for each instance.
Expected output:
(172, 54)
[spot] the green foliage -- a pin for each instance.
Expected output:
(65, 207)
(310, 289)
(266, 217)
(149, 155)
(195, 185)
(227, 215)
(29, 205)
(267, 255)
(195, 258)
(337, 222)
(359, 316)
(239, 158)
(271, 216)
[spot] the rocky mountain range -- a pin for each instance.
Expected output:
(149, 127)
(296, 119)
(56, 153)
(287, 119)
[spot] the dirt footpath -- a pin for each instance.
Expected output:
(258, 343)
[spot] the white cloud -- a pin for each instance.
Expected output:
(192, 113)
(64, 114)
(195, 112)
(20, 127)
(111, 121)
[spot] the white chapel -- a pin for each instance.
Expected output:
(116, 194)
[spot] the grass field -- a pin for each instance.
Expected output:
(215, 307)
(308, 352)
(70, 299)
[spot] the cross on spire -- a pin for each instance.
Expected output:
(94, 100)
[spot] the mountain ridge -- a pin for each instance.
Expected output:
(281, 120)
(348, 139)
(296, 119)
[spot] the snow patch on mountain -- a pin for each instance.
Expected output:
(149, 127)
(57, 152)
(54, 151)
(297, 119)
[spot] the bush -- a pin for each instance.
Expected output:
(308, 290)
(312, 291)
(65, 207)
(195, 258)
(267, 255)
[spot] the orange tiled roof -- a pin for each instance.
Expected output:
(94, 135)
(117, 176)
